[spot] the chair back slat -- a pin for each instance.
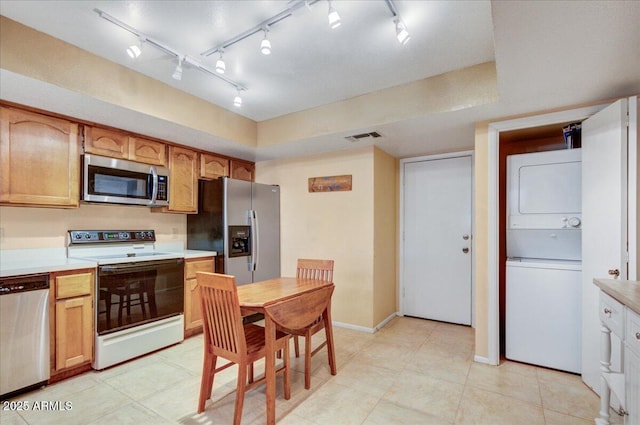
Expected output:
(315, 269)
(222, 321)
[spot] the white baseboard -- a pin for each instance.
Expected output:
(364, 328)
(481, 359)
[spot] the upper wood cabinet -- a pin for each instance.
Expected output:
(183, 180)
(39, 160)
(242, 170)
(147, 151)
(116, 144)
(213, 166)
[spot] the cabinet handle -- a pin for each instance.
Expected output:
(638, 336)
(607, 312)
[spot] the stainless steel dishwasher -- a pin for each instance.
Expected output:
(24, 333)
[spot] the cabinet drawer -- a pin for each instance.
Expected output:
(632, 338)
(192, 267)
(612, 314)
(73, 285)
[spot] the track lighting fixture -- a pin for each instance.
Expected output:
(177, 74)
(237, 101)
(220, 66)
(401, 31)
(265, 46)
(334, 17)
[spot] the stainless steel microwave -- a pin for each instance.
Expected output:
(118, 181)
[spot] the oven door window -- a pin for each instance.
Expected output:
(114, 182)
(132, 294)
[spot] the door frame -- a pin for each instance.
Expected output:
(403, 162)
(493, 230)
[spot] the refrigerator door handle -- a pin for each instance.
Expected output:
(254, 239)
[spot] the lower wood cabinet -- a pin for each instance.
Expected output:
(72, 319)
(192, 311)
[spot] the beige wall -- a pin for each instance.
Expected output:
(338, 225)
(481, 238)
(385, 241)
(26, 228)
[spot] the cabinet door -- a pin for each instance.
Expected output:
(183, 180)
(101, 141)
(212, 166)
(72, 318)
(242, 170)
(632, 385)
(74, 332)
(147, 151)
(39, 160)
(192, 309)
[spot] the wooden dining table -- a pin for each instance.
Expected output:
(290, 292)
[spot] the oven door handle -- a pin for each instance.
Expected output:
(140, 266)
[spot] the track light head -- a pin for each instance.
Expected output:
(402, 34)
(237, 101)
(220, 65)
(177, 74)
(265, 45)
(334, 17)
(134, 51)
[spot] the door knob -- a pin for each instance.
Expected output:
(465, 250)
(615, 273)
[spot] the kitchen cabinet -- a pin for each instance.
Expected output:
(117, 144)
(242, 170)
(632, 367)
(213, 166)
(620, 327)
(39, 160)
(192, 311)
(72, 319)
(183, 181)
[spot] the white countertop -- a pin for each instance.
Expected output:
(29, 261)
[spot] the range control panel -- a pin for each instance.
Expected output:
(106, 236)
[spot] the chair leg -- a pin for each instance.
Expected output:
(206, 383)
(307, 360)
(251, 373)
(296, 346)
(242, 384)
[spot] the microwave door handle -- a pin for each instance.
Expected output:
(154, 190)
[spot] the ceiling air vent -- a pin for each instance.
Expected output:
(358, 137)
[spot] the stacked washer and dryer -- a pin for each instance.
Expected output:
(543, 268)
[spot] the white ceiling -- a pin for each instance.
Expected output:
(548, 54)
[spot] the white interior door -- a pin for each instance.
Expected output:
(436, 247)
(604, 221)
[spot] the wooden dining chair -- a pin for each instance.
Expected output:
(225, 336)
(321, 270)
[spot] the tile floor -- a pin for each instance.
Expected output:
(411, 372)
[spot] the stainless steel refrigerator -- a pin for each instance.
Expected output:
(240, 220)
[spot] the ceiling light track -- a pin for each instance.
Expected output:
(182, 59)
(402, 33)
(267, 23)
